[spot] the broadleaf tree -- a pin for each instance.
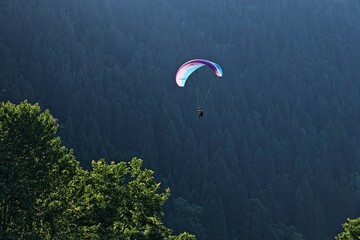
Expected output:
(45, 194)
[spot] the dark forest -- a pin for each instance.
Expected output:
(276, 155)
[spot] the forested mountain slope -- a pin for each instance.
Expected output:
(279, 143)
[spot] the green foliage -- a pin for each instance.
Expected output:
(46, 195)
(114, 201)
(351, 230)
(282, 126)
(183, 236)
(33, 164)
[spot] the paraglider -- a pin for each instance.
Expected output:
(189, 67)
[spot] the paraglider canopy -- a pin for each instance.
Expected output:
(189, 67)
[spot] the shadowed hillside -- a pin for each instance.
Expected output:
(276, 155)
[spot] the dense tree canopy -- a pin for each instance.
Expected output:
(46, 195)
(34, 166)
(351, 230)
(277, 153)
